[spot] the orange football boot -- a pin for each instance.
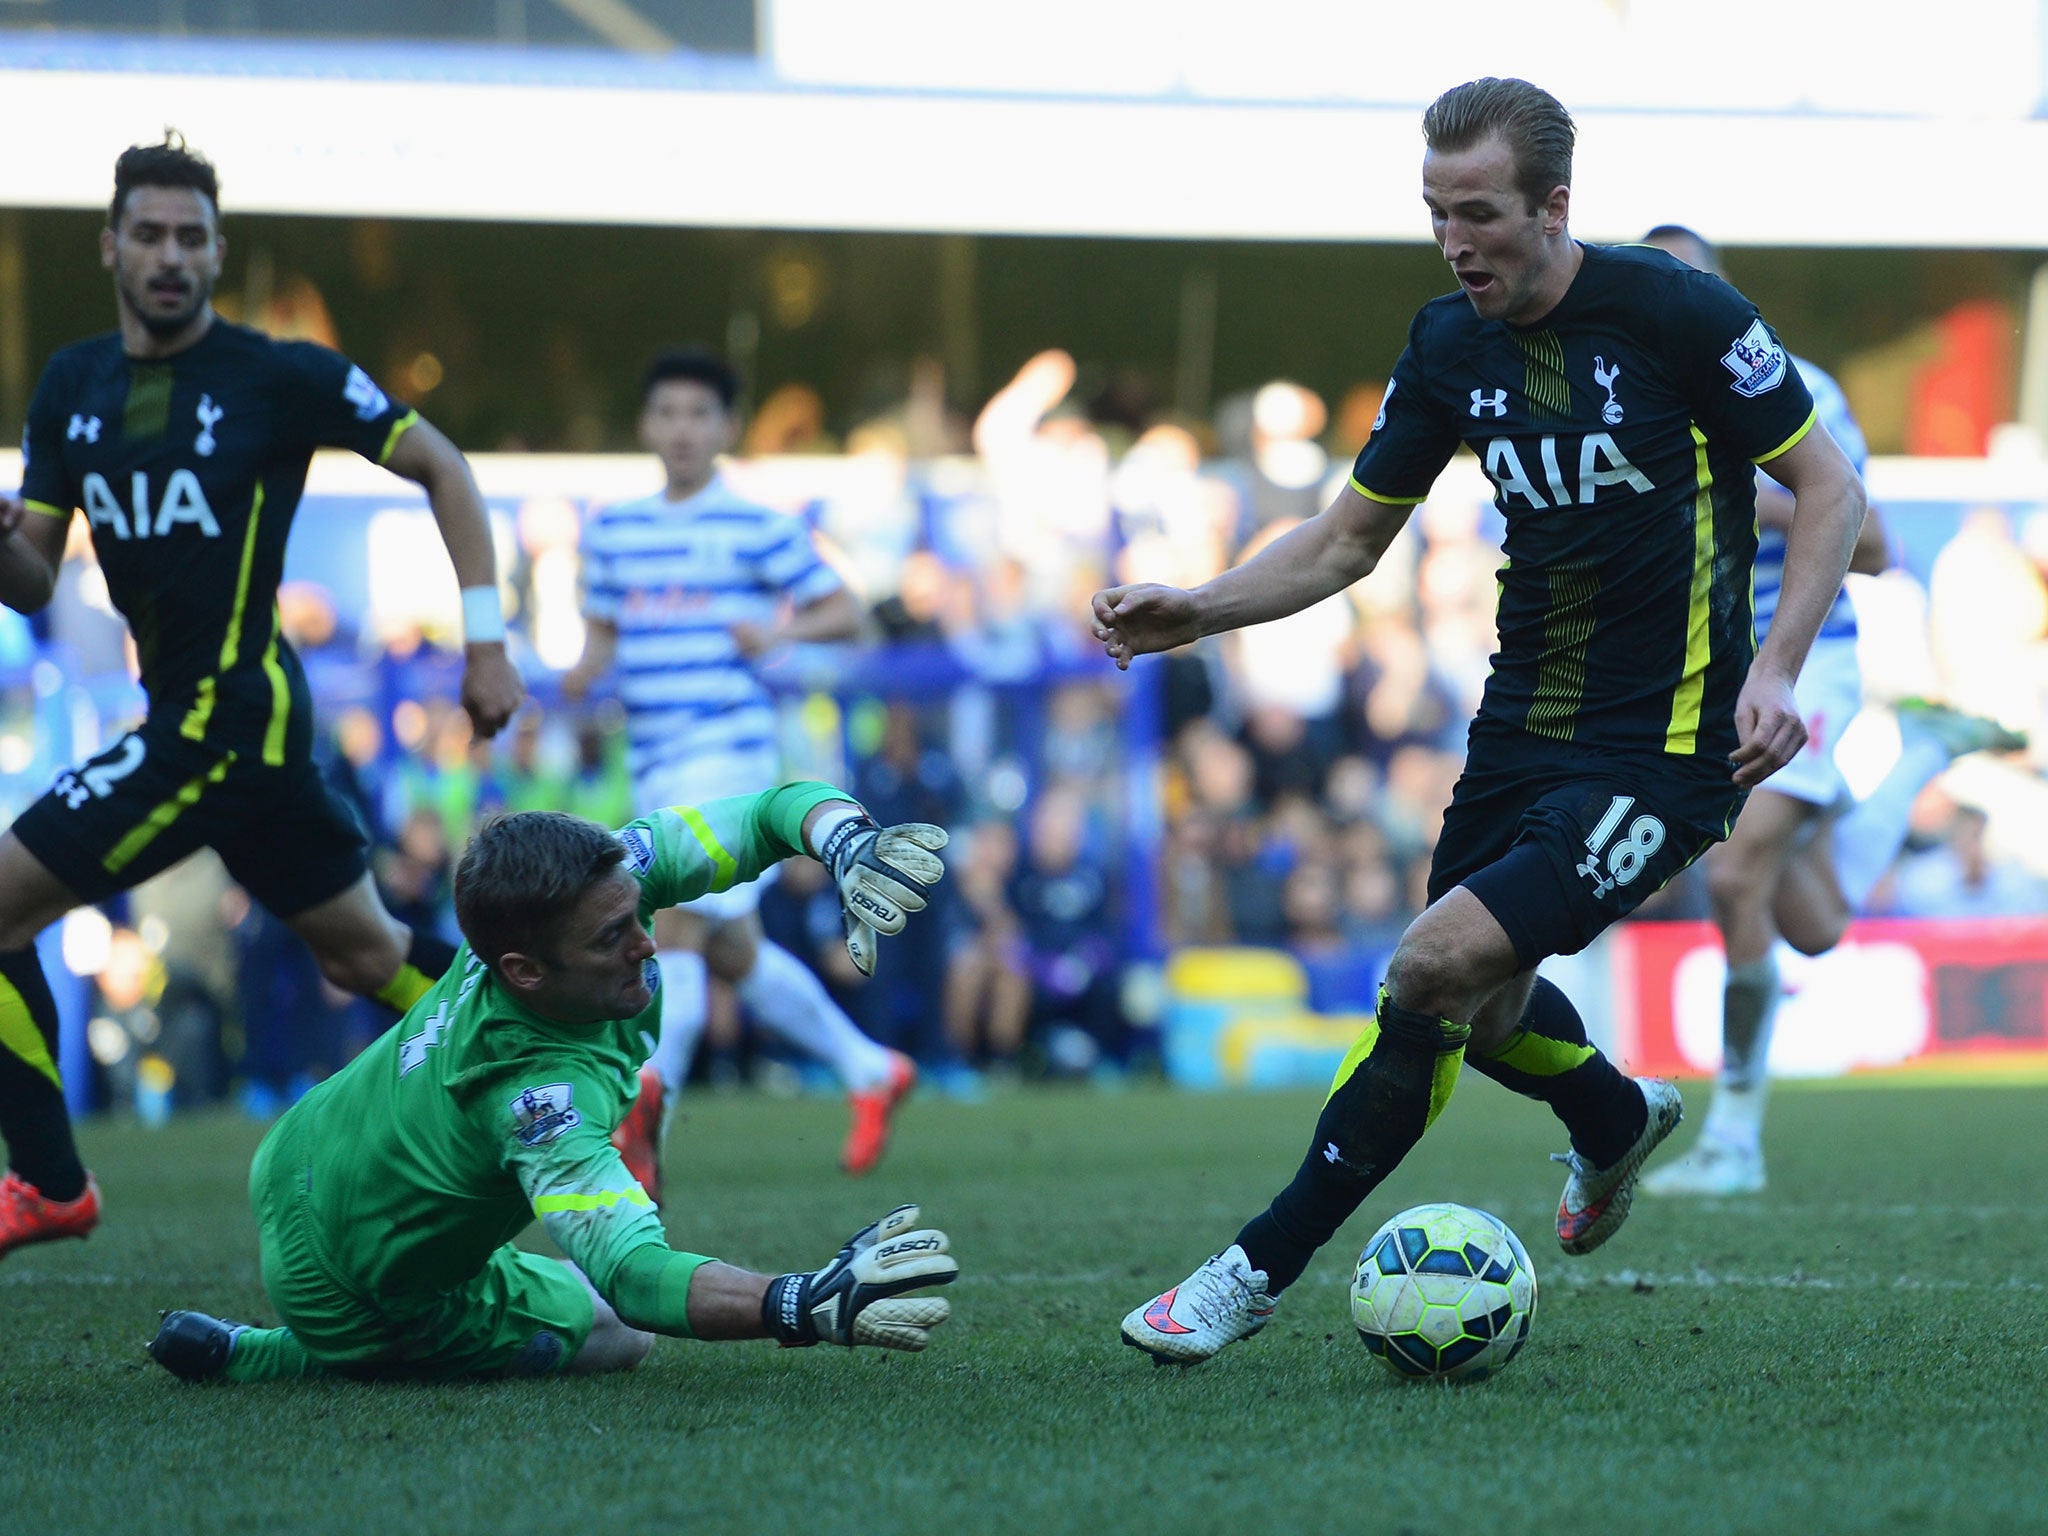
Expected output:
(868, 1137)
(26, 1217)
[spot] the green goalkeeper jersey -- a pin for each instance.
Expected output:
(473, 1115)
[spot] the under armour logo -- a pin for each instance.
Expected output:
(1605, 376)
(1338, 1160)
(1495, 404)
(209, 417)
(87, 427)
(1591, 870)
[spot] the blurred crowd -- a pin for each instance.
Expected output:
(1279, 787)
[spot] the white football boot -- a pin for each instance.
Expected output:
(1223, 1301)
(1596, 1200)
(1715, 1168)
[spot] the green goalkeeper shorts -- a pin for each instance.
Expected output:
(520, 1315)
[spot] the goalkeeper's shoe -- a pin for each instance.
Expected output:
(1958, 733)
(1223, 1301)
(1713, 1169)
(193, 1346)
(1596, 1200)
(27, 1217)
(858, 1297)
(868, 1136)
(638, 1137)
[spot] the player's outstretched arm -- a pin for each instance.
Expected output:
(1827, 517)
(31, 549)
(1319, 559)
(491, 686)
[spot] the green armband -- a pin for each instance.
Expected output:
(651, 1289)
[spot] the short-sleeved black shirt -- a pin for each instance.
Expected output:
(1619, 434)
(189, 469)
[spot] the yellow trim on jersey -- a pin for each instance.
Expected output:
(1389, 501)
(151, 827)
(45, 508)
(398, 428)
(547, 1205)
(1791, 442)
(727, 866)
(19, 1035)
(194, 728)
(280, 697)
(1683, 734)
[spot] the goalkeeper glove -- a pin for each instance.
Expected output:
(858, 1297)
(882, 873)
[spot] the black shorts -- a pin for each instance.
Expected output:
(153, 797)
(1557, 843)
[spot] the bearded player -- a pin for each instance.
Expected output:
(184, 439)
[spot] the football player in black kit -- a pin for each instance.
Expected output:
(1618, 400)
(185, 441)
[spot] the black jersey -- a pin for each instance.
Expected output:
(189, 469)
(1619, 435)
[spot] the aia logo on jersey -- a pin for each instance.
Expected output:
(1756, 360)
(1599, 463)
(183, 502)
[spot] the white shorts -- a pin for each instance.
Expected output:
(1829, 694)
(712, 777)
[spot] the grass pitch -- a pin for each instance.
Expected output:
(1863, 1348)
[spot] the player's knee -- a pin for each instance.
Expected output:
(675, 929)
(1425, 974)
(613, 1345)
(729, 952)
(1815, 935)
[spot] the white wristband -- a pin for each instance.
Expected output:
(483, 617)
(830, 820)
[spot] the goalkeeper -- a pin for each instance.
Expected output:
(387, 1199)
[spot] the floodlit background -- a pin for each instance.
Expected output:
(1029, 299)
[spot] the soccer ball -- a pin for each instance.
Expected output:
(1444, 1291)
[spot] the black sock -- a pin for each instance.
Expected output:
(427, 959)
(33, 1120)
(1391, 1086)
(1549, 1058)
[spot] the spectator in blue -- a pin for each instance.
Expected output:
(1063, 904)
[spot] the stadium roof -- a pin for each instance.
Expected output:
(560, 136)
